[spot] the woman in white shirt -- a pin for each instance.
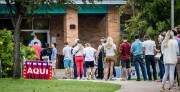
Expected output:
(170, 51)
(89, 54)
(110, 49)
(79, 59)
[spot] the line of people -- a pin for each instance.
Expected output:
(143, 53)
(87, 57)
(167, 57)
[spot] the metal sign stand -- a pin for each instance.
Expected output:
(0, 69)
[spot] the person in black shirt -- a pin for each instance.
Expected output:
(46, 52)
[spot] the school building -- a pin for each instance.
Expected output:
(65, 24)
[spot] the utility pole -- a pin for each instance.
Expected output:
(172, 14)
(0, 69)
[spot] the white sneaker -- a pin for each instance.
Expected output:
(83, 78)
(78, 78)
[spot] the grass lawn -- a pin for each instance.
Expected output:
(27, 85)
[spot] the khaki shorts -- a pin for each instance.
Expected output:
(110, 59)
(54, 64)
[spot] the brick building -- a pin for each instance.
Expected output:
(61, 24)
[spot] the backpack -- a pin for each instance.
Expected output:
(103, 53)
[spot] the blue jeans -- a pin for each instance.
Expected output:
(150, 60)
(161, 67)
(139, 61)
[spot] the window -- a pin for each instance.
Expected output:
(40, 23)
(26, 24)
(6, 23)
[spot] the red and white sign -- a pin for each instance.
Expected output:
(37, 69)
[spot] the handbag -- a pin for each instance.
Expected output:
(158, 55)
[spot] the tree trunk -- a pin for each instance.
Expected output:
(17, 60)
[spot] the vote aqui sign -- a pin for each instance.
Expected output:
(37, 69)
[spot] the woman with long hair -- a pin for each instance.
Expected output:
(79, 59)
(110, 49)
(170, 51)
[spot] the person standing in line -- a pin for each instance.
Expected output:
(89, 54)
(110, 49)
(46, 52)
(74, 63)
(178, 31)
(178, 41)
(35, 40)
(53, 58)
(38, 50)
(102, 68)
(67, 60)
(79, 58)
(160, 61)
(125, 57)
(170, 50)
(149, 47)
(137, 51)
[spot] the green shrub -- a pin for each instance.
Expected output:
(7, 50)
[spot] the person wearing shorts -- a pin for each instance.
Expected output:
(53, 58)
(110, 49)
(67, 60)
(125, 58)
(89, 54)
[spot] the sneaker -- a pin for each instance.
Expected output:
(78, 78)
(115, 78)
(138, 80)
(64, 77)
(111, 79)
(83, 78)
(105, 79)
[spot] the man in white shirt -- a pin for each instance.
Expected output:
(67, 59)
(149, 47)
(89, 54)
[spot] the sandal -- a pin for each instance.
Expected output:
(123, 79)
(171, 90)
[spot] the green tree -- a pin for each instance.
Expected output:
(150, 16)
(17, 10)
(6, 56)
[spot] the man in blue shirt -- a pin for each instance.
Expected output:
(137, 51)
(53, 58)
(35, 40)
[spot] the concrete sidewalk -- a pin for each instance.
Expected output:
(129, 86)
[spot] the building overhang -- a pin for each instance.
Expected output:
(104, 2)
(97, 7)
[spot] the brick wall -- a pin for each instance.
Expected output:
(57, 30)
(113, 23)
(71, 17)
(91, 28)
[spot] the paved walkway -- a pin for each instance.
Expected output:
(133, 86)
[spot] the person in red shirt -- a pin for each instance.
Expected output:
(125, 58)
(38, 50)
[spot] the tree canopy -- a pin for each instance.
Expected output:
(150, 16)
